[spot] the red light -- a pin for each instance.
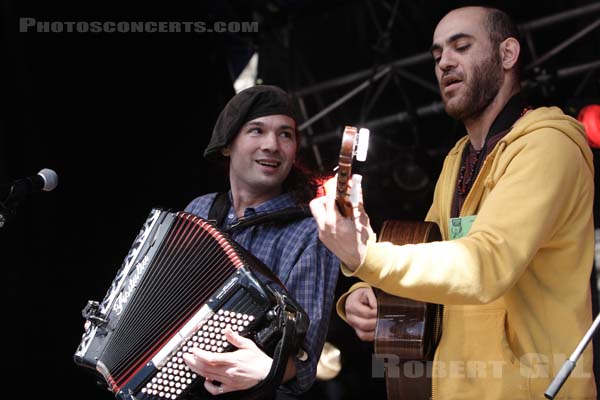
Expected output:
(589, 116)
(320, 181)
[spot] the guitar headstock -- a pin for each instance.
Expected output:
(355, 144)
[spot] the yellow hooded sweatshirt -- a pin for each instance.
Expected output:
(515, 289)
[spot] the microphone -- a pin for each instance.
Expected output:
(46, 180)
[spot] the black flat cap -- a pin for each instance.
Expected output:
(251, 103)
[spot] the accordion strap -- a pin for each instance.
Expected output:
(219, 208)
(283, 350)
(221, 204)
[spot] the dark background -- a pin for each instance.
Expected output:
(124, 118)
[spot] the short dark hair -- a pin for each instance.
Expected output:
(501, 26)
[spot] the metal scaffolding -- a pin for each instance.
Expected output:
(397, 69)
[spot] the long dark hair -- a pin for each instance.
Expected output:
(302, 183)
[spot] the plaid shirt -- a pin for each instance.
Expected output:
(297, 256)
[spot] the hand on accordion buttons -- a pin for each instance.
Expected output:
(237, 370)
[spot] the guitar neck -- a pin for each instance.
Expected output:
(344, 172)
(342, 193)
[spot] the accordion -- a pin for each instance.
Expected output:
(182, 282)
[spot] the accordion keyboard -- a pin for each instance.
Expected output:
(175, 377)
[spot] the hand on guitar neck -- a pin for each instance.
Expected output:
(343, 224)
(346, 237)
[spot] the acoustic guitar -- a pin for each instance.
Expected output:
(406, 330)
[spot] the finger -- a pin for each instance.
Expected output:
(359, 213)
(237, 340)
(363, 298)
(207, 358)
(369, 295)
(196, 360)
(331, 210)
(213, 388)
(317, 208)
(365, 317)
(363, 295)
(196, 365)
(331, 191)
(330, 186)
(363, 325)
(361, 311)
(192, 360)
(356, 194)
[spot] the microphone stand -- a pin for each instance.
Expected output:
(569, 365)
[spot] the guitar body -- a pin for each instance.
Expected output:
(407, 330)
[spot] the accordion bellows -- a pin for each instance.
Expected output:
(182, 282)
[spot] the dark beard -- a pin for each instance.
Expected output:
(486, 81)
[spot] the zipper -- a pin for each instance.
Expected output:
(449, 192)
(440, 307)
(475, 189)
